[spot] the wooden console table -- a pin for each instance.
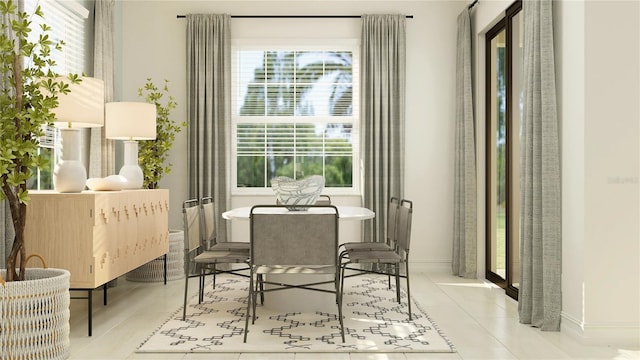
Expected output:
(97, 235)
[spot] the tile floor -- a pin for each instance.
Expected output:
(476, 316)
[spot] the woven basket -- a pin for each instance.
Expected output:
(154, 270)
(34, 316)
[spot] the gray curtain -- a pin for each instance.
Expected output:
(540, 298)
(209, 110)
(464, 203)
(383, 69)
(102, 151)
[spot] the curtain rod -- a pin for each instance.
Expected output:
(472, 4)
(296, 16)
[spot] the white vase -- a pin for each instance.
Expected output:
(34, 315)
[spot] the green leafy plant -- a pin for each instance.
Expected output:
(153, 154)
(29, 90)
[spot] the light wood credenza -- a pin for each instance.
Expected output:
(97, 235)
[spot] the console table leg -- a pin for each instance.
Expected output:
(104, 295)
(89, 299)
(90, 310)
(165, 269)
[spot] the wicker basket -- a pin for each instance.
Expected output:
(154, 270)
(34, 316)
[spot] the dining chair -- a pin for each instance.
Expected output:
(323, 200)
(294, 243)
(389, 243)
(207, 211)
(211, 241)
(196, 259)
(394, 259)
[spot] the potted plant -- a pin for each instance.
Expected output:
(153, 154)
(28, 92)
(152, 157)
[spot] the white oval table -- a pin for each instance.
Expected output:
(296, 299)
(344, 212)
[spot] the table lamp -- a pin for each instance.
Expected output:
(130, 121)
(82, 107)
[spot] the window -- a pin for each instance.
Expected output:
(69, 23)
(295, 115)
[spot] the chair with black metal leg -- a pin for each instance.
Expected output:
(196, 260)
(293, 243)
(389, 243)
(394, 259)
(210, 240)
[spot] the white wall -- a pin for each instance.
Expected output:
(152, 43)
(569, 39)
(597, 47)
(612, 167)
(599, 88)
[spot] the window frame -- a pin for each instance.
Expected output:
(295, 45)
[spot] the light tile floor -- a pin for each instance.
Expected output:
(478, 318)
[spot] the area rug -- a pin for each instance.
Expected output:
(373, 322)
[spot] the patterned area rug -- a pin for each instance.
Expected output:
(373, 322)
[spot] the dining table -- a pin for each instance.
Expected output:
(297, 299)
(353, 213)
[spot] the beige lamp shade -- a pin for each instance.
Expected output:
(130, 121)
(83, 106)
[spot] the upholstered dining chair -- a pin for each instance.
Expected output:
(294, 243)
(323, 200)
(197, 262)
(210, 241)
(394, 259)
(390, 241)
(208, 221)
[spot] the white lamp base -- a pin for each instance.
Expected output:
(131, 170)
(70, 176)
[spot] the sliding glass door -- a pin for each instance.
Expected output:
(503, 114)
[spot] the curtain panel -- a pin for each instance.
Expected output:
(102, 151)
(383, 71)
(209, 110)
(540, 298)
(464, 262)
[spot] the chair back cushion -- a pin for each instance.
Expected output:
(296, 238)
(192, 238)
(405, 212)
(208, 224)
(392, 221)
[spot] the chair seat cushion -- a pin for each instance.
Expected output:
(295, 269)
(225, 246)
(374, 257)
(355, 246)
(222, 256)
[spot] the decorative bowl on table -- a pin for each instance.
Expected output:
(109, 183)
(297, 192)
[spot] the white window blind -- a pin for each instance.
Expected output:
(69, 23)
(295, 114)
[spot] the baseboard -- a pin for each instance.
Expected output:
(612, 334)
(430, 266)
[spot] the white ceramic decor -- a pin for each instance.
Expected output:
(297, 192)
